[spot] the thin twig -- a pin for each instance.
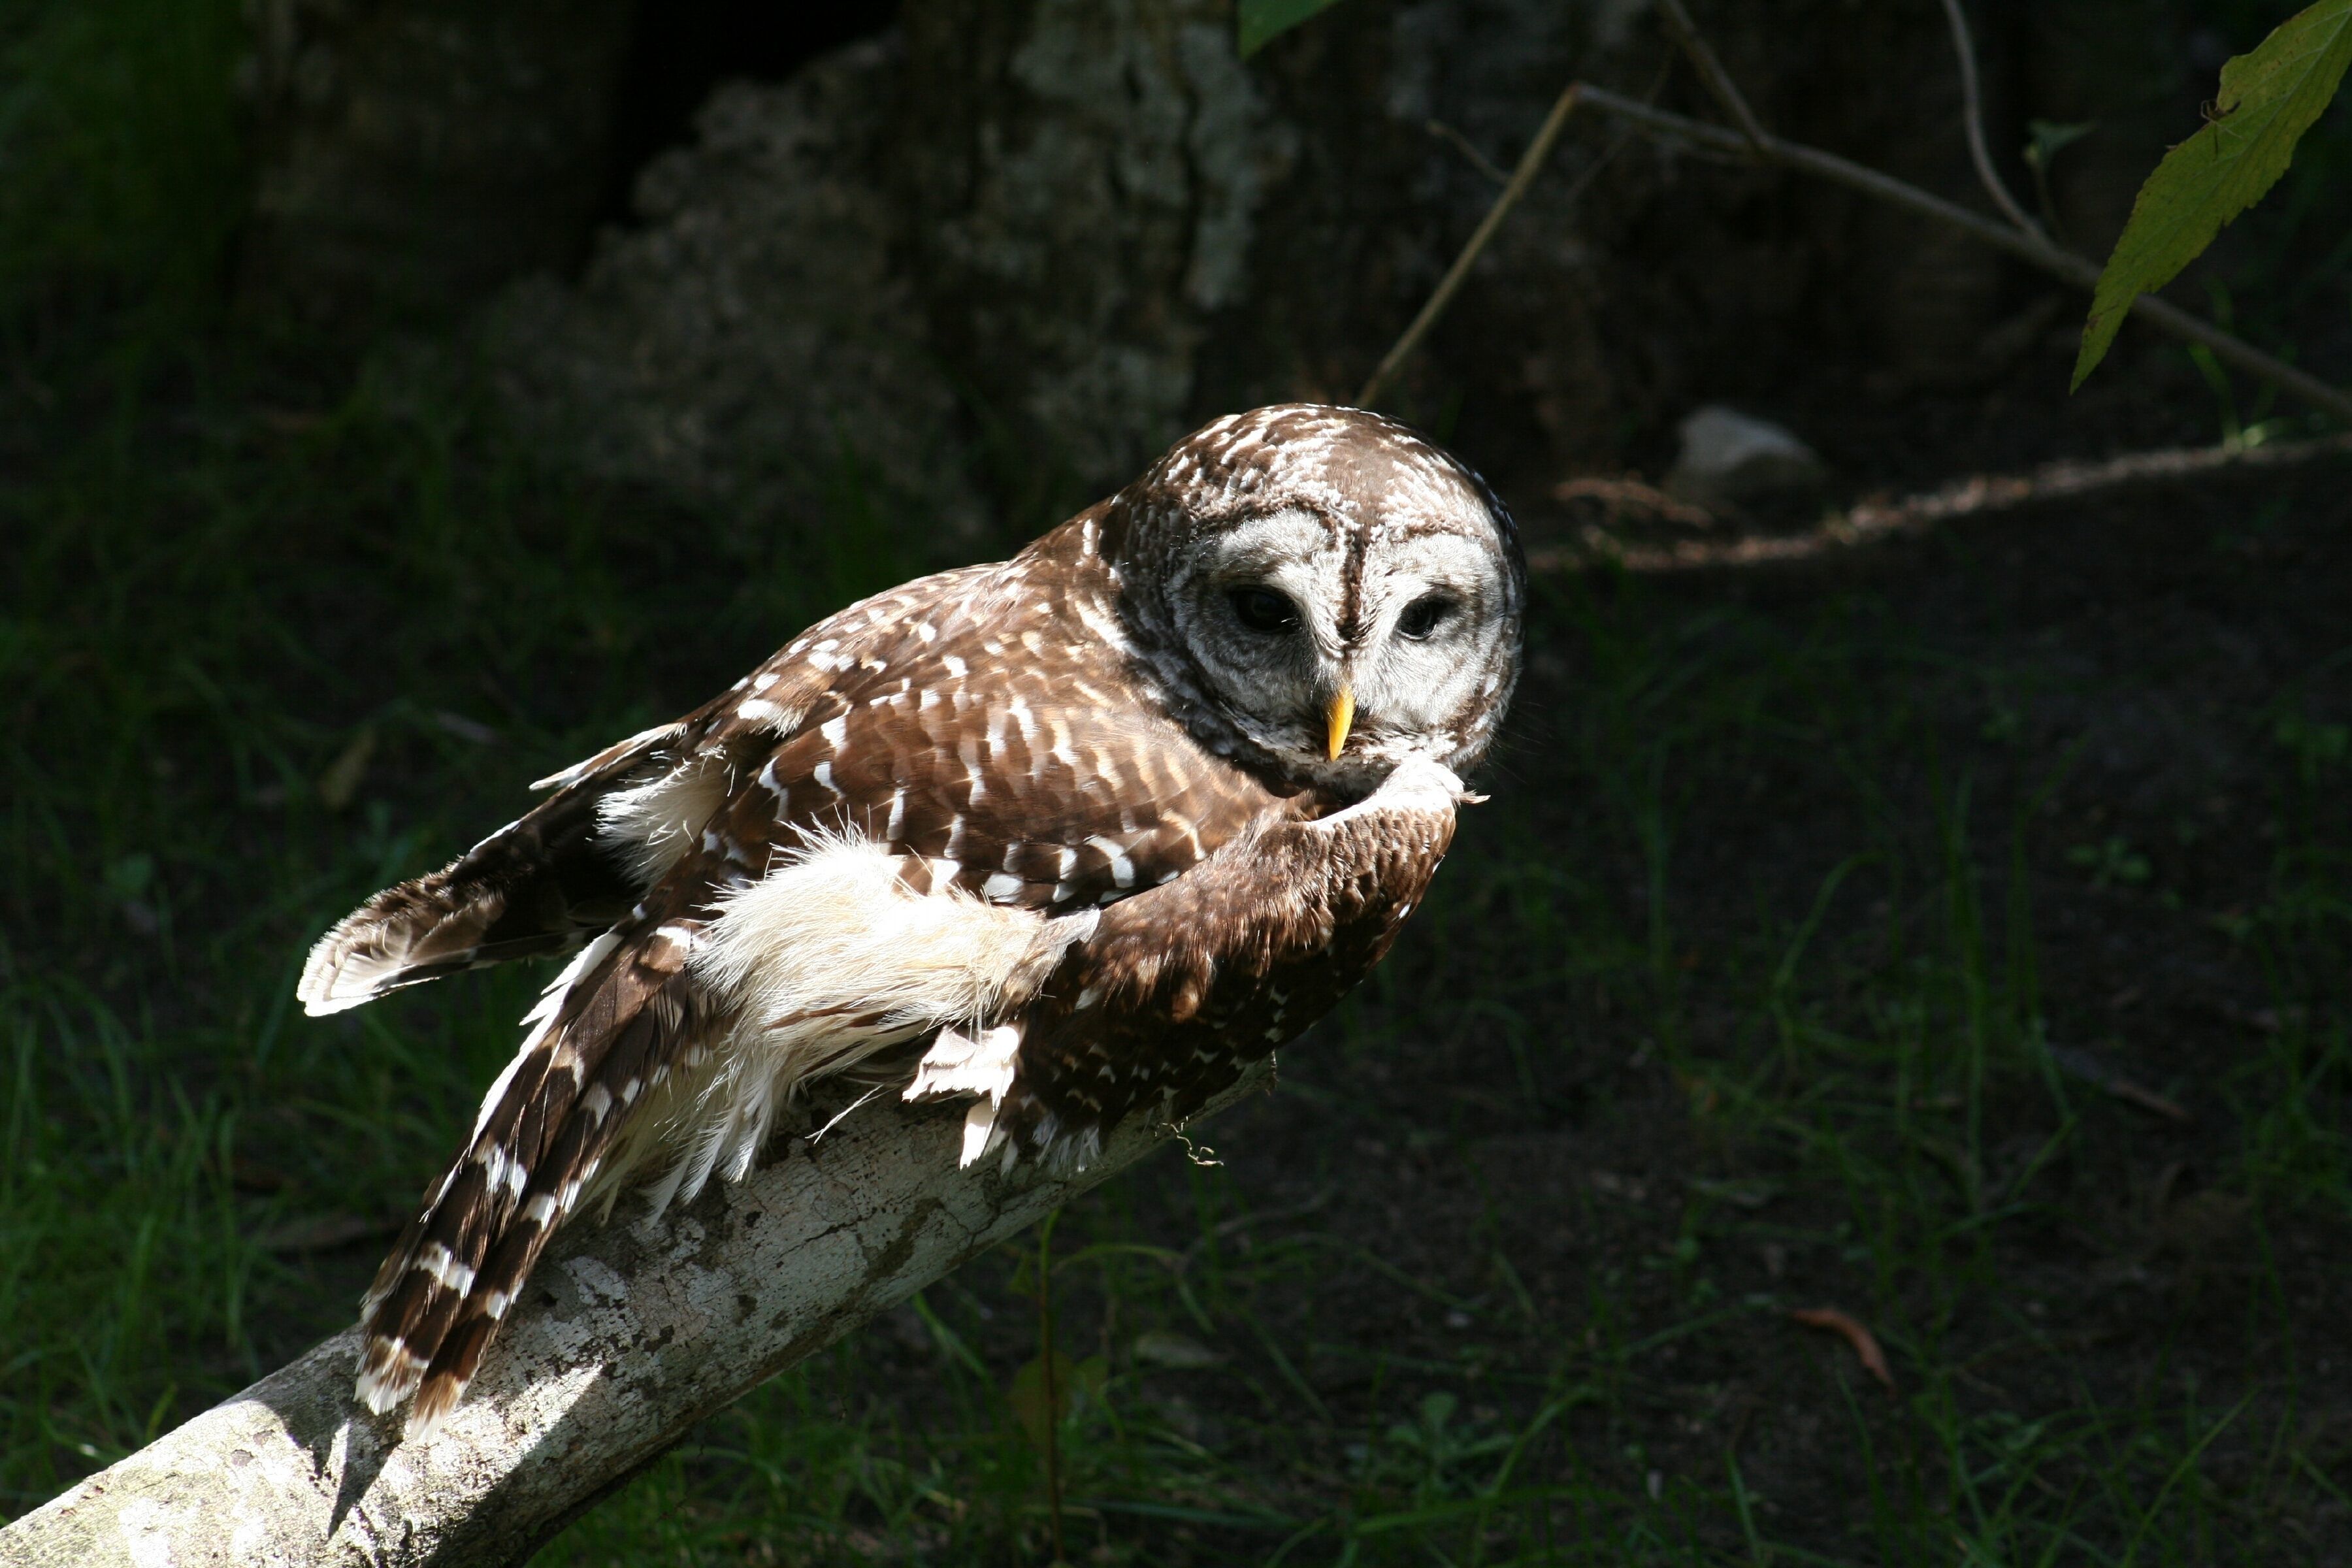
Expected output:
(1711, 74)
(2027, 241)
(1530, 163)
(2077, 269)
(1972, 114)
(1462, 145)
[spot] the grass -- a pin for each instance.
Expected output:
(1810, 953)
(125, 174)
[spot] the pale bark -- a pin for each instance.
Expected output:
(627, 1336)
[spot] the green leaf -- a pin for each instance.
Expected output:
(2268, 99)
(1262, 21)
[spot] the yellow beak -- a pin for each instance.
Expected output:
(1342, 715)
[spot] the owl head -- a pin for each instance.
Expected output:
(1325, 589)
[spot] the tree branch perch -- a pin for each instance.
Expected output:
(630, 1334)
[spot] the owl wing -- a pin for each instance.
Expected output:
(1175, 991)
(573, 865)
(539, 885)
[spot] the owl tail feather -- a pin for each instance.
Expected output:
(613, 1026)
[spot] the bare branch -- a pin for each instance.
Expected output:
(627, 1336)
(1531, 161)
(2076, 270)
(1711, 74)
(1972, 114)
(2026, 241)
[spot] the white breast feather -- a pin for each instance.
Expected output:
(815, 967)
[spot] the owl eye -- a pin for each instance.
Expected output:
(1425, 615)
(1263, 610)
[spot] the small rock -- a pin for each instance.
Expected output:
(1729, 456)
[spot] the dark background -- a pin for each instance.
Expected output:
(401, 399)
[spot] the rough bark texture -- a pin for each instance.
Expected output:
(1068, 230)
(627, 1336)
(1080, 227)
(749, 349)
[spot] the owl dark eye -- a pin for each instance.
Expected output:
(1263, 610)
(1425, 615)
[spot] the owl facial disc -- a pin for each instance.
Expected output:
(1339, 594)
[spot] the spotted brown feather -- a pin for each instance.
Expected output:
(1179, 988)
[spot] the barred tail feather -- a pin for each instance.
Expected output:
(608, 1028)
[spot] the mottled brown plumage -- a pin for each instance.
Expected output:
(1178, 989)
(1090, 830)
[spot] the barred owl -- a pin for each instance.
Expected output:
(1074, 836)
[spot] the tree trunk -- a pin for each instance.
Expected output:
(627, 1336)
(1061, 232)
